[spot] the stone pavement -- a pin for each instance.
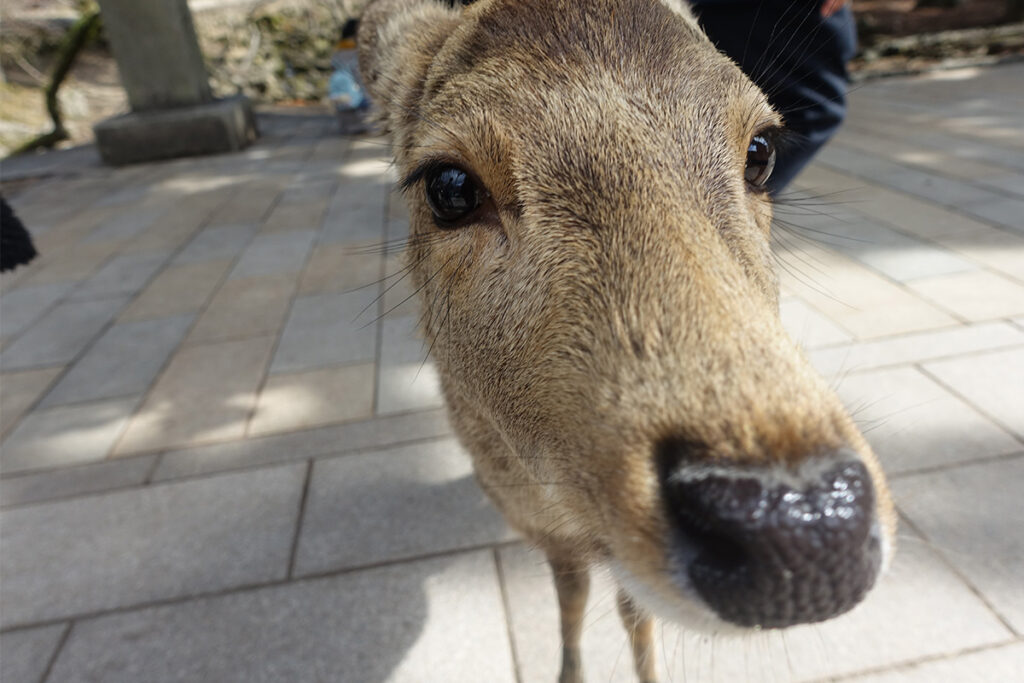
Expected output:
(225, 460)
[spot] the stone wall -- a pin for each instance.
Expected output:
(272, 51)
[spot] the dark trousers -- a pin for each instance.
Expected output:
(797, 58)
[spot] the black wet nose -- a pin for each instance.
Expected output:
(770, 547)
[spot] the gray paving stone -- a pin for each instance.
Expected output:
(436, 620)
(1003, 663)
(914, 423)
(1005, 211)
(122, 275)
(915, 348)
(991, 381)
(912, 181)
(1009, 183)
(124, 548)
(900, 620)
(215, 243)
(25, 654)
(972, 515)
(387, 505)
(19, 392)
(61, 334)
(328, 329)
(74, 481)
(953, 193)
(893, 254)
(355, 213)
(127, 224)
(324, 441)
(122, 362)
(406, 379)
(65, 435)
(22, 306)
(808, 327)
(274, 254)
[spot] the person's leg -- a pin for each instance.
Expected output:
(798, 58)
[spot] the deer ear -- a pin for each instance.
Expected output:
(398, 40)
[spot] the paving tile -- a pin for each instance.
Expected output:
(991, 381)
(67, 229)
(907, 214)
(322, 441)
(244, 308)
(19, 390)
(912, 181)
(122, 362)
(909, 154)
(174, 228)
(328, 329)
(75, 481)
(61, 334)
(216, 243)
(300, 208)
(274, 254)
(809, 328)
(1007, 182)
(388, 505)
(989, 665)
(406, 380)
(177, 290)
(249, 204)
(26, 653)
(355, 214)
(914, 348)
(124, 548)
(123, 275)
(128, 222)
(914, 423)
(854, 297)
(21, 306)
(400, 297)
(891, 253)
(337, 268)
(206, 394)
(996, 249)
(314, 398)
(899, 621)
(948, 191)
(330, 149)
(439, 619)
(65, 435)
(972, 516)
(398, 211)
(974, 296)
(71, 264)
(1006, 212)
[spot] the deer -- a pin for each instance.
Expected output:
(589, 238)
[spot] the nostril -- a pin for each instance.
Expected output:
(772, 547)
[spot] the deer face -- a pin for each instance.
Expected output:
(590, 241)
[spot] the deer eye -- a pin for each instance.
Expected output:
(451, 194)
(760, 160)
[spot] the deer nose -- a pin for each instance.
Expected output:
(771, 547)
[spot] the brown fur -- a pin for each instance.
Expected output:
(617, 287)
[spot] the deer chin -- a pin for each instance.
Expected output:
(675, 601)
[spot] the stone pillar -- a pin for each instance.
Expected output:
(173, 112)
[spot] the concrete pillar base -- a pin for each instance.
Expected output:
(226, 125)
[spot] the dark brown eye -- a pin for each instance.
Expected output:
(760, 161)
(451, 193)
